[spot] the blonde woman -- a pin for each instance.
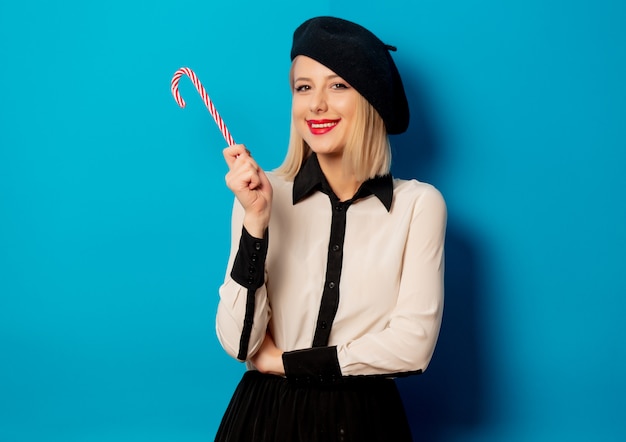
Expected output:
(335, 277)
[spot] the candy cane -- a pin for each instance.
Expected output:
(205, 97)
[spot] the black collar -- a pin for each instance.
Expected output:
(310, 178)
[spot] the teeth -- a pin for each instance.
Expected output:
(322, 125)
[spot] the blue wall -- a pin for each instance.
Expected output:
(114, 216)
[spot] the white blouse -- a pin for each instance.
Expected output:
(388, 278)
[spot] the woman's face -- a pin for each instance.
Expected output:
(324, 106)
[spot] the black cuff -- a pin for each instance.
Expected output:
(312, 366)
(249, 266)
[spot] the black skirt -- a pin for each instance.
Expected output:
(267, 408)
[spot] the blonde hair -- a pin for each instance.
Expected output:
(367, 152)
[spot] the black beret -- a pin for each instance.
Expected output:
(360, 58)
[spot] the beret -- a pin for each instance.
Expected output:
(360, 58)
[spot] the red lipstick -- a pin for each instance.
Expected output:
(320, 127)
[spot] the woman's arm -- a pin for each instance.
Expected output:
(407, 343)
(243, 311)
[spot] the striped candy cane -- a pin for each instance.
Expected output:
(205, 97)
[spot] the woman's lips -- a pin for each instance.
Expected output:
(320, 127)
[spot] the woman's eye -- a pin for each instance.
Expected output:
(340, 86)
(302, 88)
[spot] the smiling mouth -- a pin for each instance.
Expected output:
(319, 127)
(322, 125)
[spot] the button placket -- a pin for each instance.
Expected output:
(330, 296)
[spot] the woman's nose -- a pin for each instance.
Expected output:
(318, 102)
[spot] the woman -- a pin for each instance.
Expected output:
(335, 278)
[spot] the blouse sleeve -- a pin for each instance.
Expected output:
(243, 311)
(407, 343)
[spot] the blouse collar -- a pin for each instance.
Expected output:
(310, 178)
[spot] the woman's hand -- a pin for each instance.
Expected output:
(251, 187)
(269, 358)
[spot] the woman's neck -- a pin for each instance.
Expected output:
(343, 185)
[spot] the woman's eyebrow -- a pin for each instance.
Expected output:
(328, 77)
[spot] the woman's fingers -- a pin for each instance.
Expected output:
(244, 174)
(263, 180)
(242, 166)
(232, 153)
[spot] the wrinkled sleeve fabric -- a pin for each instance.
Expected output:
(406, 345)
(243, 311)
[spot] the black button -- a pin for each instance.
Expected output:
(257, 246)
(323, 325)
(331, 285)
(254, 257)
(251, 269)
(336, 248)
(250, 280)
(338, 207)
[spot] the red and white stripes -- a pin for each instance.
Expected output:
(205, 97)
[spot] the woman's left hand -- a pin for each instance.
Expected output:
(269, 358)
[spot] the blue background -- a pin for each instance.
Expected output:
(114, 217)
